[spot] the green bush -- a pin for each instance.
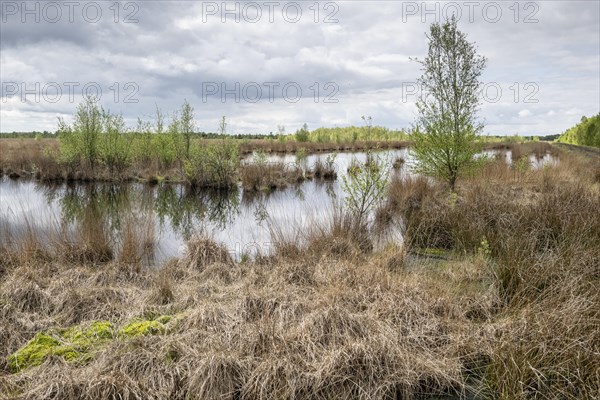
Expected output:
(143, 143)
(302, 134)
(213, 165)
(164, 147)
(365, 185)
(586, 133)
(95, 136)
(114, 148)
(79, 142)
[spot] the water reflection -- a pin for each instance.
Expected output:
(237, 218)
(185, 209)
(189, 209)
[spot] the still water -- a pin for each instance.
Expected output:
(238, 219)
(241, 220)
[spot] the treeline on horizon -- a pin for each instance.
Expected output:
(204, 135)
(585, 133)
(313, 135)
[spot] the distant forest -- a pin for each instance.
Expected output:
(214, 135)
(585, 133)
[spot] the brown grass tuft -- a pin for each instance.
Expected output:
(269, 176)
(203, 251)
(162, 292)
(217, 377)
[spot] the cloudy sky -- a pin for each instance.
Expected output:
(264, 64)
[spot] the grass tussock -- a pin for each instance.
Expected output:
(137, 243)
(324, 170)
(340, 236)
(90, 243)
(202, 252)
(269, 176)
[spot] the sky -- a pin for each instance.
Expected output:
(271, 64)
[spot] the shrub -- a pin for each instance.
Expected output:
(213, 165)
(79, 142)
(164, 146)
(114, 148)
(302, 135)
(144, 150)
(365, 185)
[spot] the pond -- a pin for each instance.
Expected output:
(169, 214)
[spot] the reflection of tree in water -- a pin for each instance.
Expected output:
(188, 208)
(107, 203)
(222, 206)
(256, 201)
(110, 204)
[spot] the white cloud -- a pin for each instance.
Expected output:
(573, 111)
(524, 113)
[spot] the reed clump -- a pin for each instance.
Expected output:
(145, 157)
(270, 175)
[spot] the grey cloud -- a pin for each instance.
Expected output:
(170, 51)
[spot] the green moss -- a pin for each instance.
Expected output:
(33, 353)
(78, 343)
(73, 345)
(84, 336)
(143, 328)
(150, 324)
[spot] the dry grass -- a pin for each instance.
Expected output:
(270, 175)
(539, 235)
(137, 242)
(284, 326)
(273, 175)
(323, 170)
(331, 316)
(19, 155)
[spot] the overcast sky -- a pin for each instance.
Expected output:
(327, 64)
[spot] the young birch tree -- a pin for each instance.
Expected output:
(445, 140)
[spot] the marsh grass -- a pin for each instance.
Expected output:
(90, 243)
(541, 237)
(296, 326)
(325, 169)
(272, 146)
(513, 314)
(270, 175)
